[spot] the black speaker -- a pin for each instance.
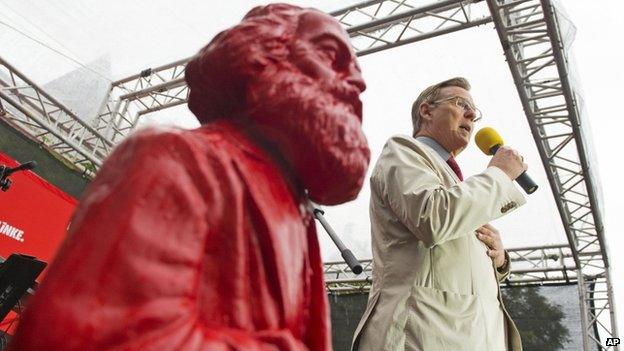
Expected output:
(17, 274)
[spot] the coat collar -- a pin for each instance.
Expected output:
(433, 144)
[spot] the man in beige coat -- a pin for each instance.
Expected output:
(436, 260)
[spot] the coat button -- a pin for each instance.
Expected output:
(508, 206)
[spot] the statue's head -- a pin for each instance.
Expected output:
(293, 75)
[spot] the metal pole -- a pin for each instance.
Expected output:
(347, 255)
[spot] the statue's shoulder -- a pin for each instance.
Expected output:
(156, 134)
(219, 144)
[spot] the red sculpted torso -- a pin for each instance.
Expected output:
(213, 247)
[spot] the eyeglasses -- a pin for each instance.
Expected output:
(464, 104)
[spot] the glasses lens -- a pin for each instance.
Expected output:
(478, 115)
(467, 106)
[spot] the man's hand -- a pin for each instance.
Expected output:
(491, 238)
(509, 161)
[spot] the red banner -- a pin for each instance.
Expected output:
(34, 215)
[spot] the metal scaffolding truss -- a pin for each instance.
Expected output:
(530, 266)
(532, 35)
(535, 41)
(149, 91)
(384, 24)
(38, 115)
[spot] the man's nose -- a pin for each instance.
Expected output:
(470, 114)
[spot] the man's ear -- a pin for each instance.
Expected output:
(425, 111)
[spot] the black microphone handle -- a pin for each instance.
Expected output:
(527, 184)
(524, 180)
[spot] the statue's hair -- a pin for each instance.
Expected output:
(219, 74)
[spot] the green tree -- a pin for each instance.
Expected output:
(538, 320)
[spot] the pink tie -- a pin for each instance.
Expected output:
(455, 167)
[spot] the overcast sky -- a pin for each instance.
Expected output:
(130, 36)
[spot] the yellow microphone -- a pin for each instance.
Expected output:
(489, 141)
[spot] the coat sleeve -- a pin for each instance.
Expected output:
(503, 272)
(132, 273)
(433, 212)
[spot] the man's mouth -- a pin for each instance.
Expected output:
(466, 128)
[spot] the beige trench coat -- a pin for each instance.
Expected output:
(434, 288)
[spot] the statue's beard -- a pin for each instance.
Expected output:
(317, 129)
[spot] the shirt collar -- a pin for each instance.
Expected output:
(435, 146)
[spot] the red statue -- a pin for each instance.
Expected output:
(201, 239)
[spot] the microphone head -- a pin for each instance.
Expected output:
(25, 166)
(28, 165)
(486, 138)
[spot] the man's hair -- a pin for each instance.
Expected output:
(431, 94)
(218, 76)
